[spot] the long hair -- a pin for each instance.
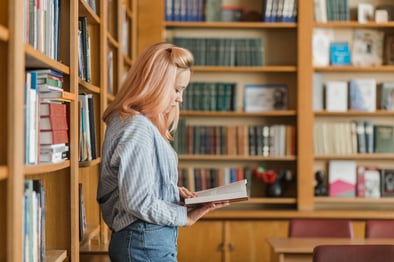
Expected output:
(149, 84)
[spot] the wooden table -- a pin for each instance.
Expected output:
(301, 249)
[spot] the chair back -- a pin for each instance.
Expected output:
(353, 253)
(339, 228)
(379, 229)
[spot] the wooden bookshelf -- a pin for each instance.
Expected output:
(261, 210)
(60, 180)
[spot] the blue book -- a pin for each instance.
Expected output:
(340, 53)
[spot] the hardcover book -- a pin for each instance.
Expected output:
(384, 138)
(233, 192)
(336, 96)
(340, 53)
(363, 94)
(387, 96)
(342, 178)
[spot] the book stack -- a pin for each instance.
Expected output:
(53, 132)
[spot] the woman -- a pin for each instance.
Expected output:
(137, 192)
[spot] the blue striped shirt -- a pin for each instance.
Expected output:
(138, 176)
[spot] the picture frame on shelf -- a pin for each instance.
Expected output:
(265, 97)
(387, 182)
(387, 96)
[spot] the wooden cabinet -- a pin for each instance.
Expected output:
(228, 240)
(60, 180)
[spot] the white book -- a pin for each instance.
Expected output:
(233, 192)
(336, 96)
(363, 94)
(321, 40)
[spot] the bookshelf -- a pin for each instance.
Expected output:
(60, 180)
(303, 204)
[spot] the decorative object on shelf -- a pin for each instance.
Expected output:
(266, 97)
(387, 182)
(367, 47)
(365, 12)
(320, 187)
(274, 180)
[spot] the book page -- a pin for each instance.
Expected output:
(234, 191)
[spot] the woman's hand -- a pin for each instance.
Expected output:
(195, 213)
(185, 193)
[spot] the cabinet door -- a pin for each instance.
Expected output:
(246, 240)
(201, 242)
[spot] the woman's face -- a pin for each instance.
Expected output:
(181, 83)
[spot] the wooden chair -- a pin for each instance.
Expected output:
(339, 228)
(353, 253)
(379, 229)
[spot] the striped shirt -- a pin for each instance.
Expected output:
(138, 176)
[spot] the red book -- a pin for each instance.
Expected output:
(53, 137)
(53, 122)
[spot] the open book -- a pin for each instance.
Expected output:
(233, 192)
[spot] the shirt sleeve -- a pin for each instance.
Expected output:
(138, 189)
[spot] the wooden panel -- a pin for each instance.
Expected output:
(149, 30)
(89, 178)
(3, 104)
(3, 224)
(202, 240)
(247, 239)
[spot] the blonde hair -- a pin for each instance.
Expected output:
(149, 84)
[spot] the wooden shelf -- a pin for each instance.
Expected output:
(290, 214)
(245, 69)
(3, 172)
(94, 249)
(4, 33)
(110, 97)
(88, 86)
(93, 162)
(350, 204)
(92, 231)
(112, 40)
(56, 255)
(86, 10)
(36, 59)
(355, 113)
(231, 25)
(239, 114)
(234, 158)
(347, 69)
(267, 200)
(354, 24)
(46, 168)
(374, 156)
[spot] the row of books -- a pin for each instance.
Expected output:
(359, 94)
(267, 140)
(224, 51)
(33, 221)
(181, 10)
(347, 179)
(84, 50)
(201, 178)
(87, 128)
(210, 96)
(366, 48)
(41, 30)
(353, 137)
(45, 122)
(331, 10)
(280, 11)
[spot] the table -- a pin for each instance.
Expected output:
(301, 249)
